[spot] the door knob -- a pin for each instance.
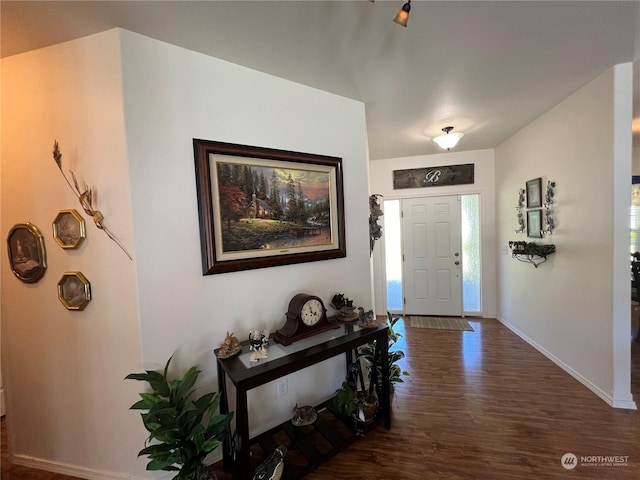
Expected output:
(457, 262)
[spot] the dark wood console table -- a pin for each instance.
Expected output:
(283, 361)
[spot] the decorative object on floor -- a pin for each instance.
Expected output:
(181, 437)
(367, 319)
(306, 316)
(394, 355)
(375, 212)
(345, 311)
(548, 213)
(27, 256)
(69, 229)
(258, 344)
(230, 347)
(531, 252)
(448, 140)
(519, 212)
(273, 466)
(440, 323)
(85, 196)
(402, 18)
(303, 416)
(534, 193)
(434, 176)
(74, 290)
(240, 231)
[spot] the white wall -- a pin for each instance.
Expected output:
(125, 109)
(381, 180)
(575, 308)
(172, 96)
(67, 404)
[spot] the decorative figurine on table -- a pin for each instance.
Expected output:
(273, 466)
(258, 344)
(230, 347)
(367, 319)
(344, 306)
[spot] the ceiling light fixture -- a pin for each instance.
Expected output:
(403, 15)
(448, 140)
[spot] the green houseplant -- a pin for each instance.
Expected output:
(352, 402)
(182, 431)
(368, 351)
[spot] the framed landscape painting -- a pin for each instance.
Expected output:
(261, 207)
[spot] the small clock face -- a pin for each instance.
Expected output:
(311, 312)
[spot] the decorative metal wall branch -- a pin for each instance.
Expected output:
(519, 212)
(85, 196)
(375, 212)
(548, 213)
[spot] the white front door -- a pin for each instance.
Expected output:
(432, 256)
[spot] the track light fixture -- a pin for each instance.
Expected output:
(448, 140)
(403, 15)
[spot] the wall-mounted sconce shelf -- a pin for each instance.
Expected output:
(531, 252)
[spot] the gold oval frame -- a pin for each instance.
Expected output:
(69, 229)
(74, 290)
(27, 255)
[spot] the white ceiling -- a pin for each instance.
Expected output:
(486, 67)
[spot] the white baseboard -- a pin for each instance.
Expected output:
(71, 470)
(629, 405)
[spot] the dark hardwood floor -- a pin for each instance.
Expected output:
(478, 405)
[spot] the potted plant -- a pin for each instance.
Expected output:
(182, 431)
(359, 404)
(368, 351)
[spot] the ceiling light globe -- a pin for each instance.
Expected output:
(448, 140)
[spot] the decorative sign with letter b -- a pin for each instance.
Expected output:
(433, 176)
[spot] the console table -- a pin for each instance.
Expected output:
(282, 361)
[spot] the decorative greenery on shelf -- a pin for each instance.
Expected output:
(532, 248)
(182, 437)
(531, 252)
(368, 351)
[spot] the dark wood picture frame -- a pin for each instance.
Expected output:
(261, 207)
(27, 256)
(534, 223)
(534, 193)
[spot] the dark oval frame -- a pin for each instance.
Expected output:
(27, 255)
